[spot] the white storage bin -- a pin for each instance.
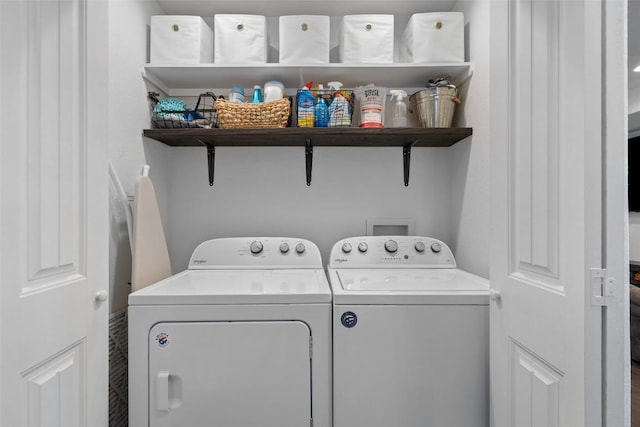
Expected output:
(240, 39)
(433, 37)
(180, 40)
(304, 39)
(366, 39)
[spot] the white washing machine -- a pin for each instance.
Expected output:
(410, 335)
(242, 338)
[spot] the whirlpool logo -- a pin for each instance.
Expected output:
(340, 260)
(199, 261)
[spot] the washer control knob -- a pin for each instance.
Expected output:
(436, 247)
(300, 248)
(420, 247)
(256, 247)
(391, 246)
(346, 248)
(363, 247)
(284, 248)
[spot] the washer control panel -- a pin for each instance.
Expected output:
(255, 252)
(388, 251)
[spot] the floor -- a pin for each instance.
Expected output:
(635, 393)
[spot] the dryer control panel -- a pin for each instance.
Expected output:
(239, 253)
(391, 251)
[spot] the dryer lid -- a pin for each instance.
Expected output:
(408, 286)
(211, 287)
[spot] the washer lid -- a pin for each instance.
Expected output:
(408, 286)
(210, 287)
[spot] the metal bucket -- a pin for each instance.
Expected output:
(434, 106)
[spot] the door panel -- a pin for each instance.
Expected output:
(535, 387)
(535, 152)
(52, 218)
(230, 374)
(55, 389)
(546, 198)
(534, 163)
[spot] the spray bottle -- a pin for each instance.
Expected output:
(321, 110)
(339, 115)
(398, 109)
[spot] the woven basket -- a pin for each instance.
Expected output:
(273, 114)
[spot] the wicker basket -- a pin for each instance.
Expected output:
(273, 114)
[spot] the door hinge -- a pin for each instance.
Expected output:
(602, 287)
(310, 347)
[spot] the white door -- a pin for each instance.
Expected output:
(239, 374)
(547, 200)
(53, 213)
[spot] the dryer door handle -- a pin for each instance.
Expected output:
(162, 391)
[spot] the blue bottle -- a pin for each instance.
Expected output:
(257, 95)
(321, 111)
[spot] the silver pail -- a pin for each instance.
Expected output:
(434, 106)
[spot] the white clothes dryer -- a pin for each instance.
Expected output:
(410, 335)
(242, 338)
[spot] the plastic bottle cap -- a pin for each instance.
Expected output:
(399, 94)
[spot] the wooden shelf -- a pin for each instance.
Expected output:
(319, 137)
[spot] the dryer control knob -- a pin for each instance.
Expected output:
(284, 248)
(346, 248)
(436, 247)
(391, 246)
(300, 248)
(256, 247)
(363, 247)
(420, 247)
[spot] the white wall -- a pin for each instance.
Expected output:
(470, 232)
(128, 112)
(262, 192)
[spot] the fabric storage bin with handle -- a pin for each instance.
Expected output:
(180, 40)
(240, 39)
(433, 37)
(304, 39)
(366, 39)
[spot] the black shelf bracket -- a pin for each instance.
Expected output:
(308, 159)
(211, 162)
(406, 160)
